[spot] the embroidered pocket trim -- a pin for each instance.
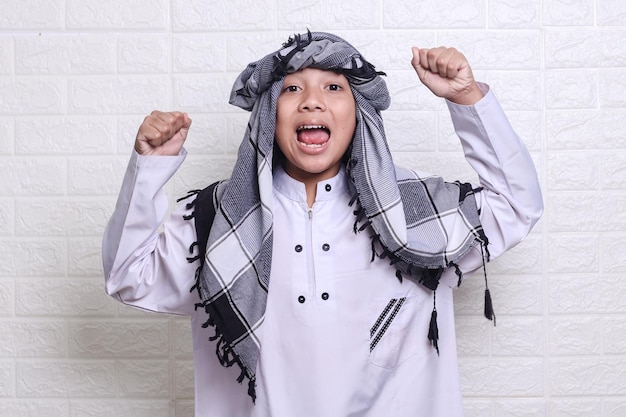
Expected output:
(387, 316)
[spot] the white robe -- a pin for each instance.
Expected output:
(322, 352)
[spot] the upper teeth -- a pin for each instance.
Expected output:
(311, 127)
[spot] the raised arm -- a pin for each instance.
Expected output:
(511, 201)
(143, 266)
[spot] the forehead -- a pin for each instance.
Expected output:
(315, 74)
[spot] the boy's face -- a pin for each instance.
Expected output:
(315, 122)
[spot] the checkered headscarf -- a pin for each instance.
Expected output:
(423, 225)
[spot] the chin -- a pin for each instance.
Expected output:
(316, 172)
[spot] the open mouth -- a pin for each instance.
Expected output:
(313, 136)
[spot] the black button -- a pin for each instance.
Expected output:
(325, 296)
(328, 187)
(325, 247)
(301, 299)
(298, 248)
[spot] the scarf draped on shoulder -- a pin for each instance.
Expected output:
(422, 225)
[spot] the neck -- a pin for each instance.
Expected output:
(311, 192)
(310, 180)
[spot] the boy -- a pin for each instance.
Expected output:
(361, 254)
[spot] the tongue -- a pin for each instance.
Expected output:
(313, 136)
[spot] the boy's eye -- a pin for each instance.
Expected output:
(334, 87)
(291, 88)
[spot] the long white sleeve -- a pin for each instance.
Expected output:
(511, 201)
(142, 266)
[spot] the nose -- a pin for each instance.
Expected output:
(312, 100)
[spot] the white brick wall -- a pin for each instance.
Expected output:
(78, 76)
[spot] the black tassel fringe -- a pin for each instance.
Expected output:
(224, 351)
(433, 331)
(489, 313)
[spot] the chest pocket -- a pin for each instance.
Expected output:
(399, 330)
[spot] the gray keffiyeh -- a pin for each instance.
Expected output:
(422, 225)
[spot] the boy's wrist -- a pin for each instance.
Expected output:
(468, 97)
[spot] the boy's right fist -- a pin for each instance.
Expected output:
(162, 133)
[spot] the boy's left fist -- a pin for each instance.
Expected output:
(447, 73)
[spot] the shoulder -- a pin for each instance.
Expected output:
(211, 193)
(405, 174)
(207, 201)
